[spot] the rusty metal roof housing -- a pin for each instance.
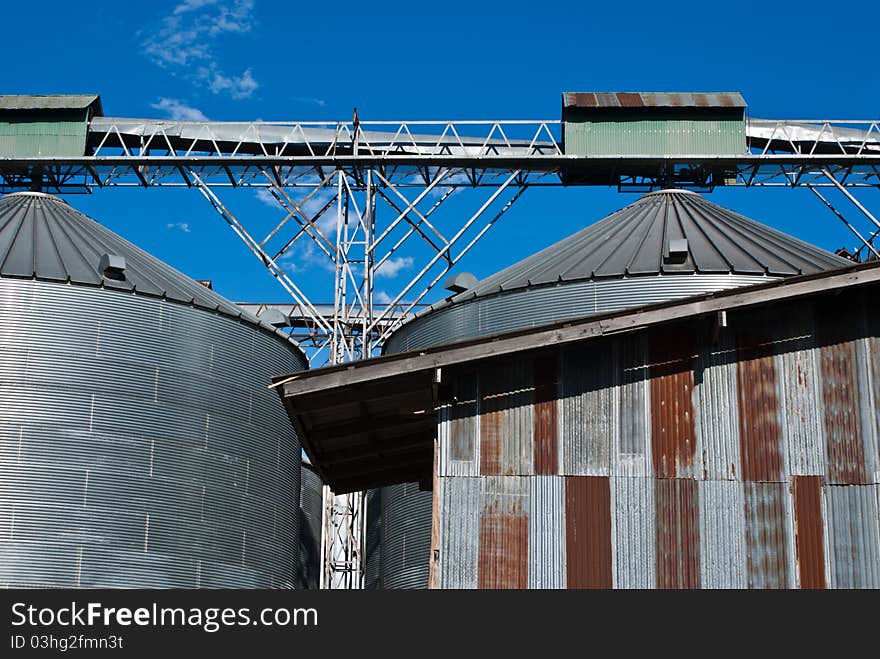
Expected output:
(653, 100)
(373, 423)
(51, 102)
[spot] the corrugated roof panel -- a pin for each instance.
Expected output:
(42, 237)
(653, 99)
(853, 536)
(49, 102)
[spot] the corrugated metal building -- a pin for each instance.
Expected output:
(727, 440)
(139, 446)
(53, 125)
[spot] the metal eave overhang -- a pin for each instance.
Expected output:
(372, 423)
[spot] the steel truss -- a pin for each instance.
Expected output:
(360, 195)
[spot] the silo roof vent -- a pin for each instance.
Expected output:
(112, 266)
(460, 283)
(678, 250)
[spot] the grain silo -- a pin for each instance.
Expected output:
(140, 445)
(667, 245)
(311, 511)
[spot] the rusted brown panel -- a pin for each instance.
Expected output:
(491, 411)
(464, 411)
(580, 100)
(844, 447)
(630, 100)
(760, 433)
(504, 550)
(677, 533)
(673, 433)
(588, 531)
(546, 451)
(808, 531)
(767, 560)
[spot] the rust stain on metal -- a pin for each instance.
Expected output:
(588, 532)
(504, 550)
(839, 370)
(546, 452)
(760, 434)
(490, 423)
(630, 100)
(766, 542)
(677, 533)
(808, 531)
(673, 433)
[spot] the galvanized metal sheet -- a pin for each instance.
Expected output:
(459, 532)
(853, 525)
(545, 415)
(588, 412)
(547, 532)
(717, 412)
(809, 531)
(722, 534)
(768, 539)
(459, 429)
(504, 533)
(635, 548)
(633, 436)
(506, 425)
(677, 531)
(652, 99)
(588, 552)
(136, 461)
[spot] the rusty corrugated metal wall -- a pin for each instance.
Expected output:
(694, 456)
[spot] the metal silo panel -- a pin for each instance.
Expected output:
(854, 536)
(311, 511)
(677, 532)
(459, 532)
(588, 531)
(504, 532)
(373, 548)
(634, 440)
(406, 536)
(506, 391)
(634, 533)
(717, 415)
(809, 531)
(129, 421)
(460, 430)
(722, 534)
(546, 532)
(768, 521)
(673, 431)
(588, 411)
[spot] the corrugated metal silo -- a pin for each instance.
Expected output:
(667, 245)
(311, 509)
(139, 443)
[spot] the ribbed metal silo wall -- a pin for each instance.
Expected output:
(398, 537)
(311, 508)
(141, 446)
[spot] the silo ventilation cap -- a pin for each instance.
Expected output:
(460, 283)
(678, 250)
(112, 266)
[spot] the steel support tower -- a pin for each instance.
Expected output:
(361, 196)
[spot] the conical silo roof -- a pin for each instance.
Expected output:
(42, 237)
(636, 241)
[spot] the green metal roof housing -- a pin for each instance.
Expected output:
(45, 126)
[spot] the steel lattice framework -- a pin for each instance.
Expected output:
(361, 194)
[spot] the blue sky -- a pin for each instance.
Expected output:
(255, 59)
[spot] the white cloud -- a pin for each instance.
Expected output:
(178, 110)
(181, 226)
(326, 223)
(381, 297)
(184, 43)
(320, 102)
(394, 265)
